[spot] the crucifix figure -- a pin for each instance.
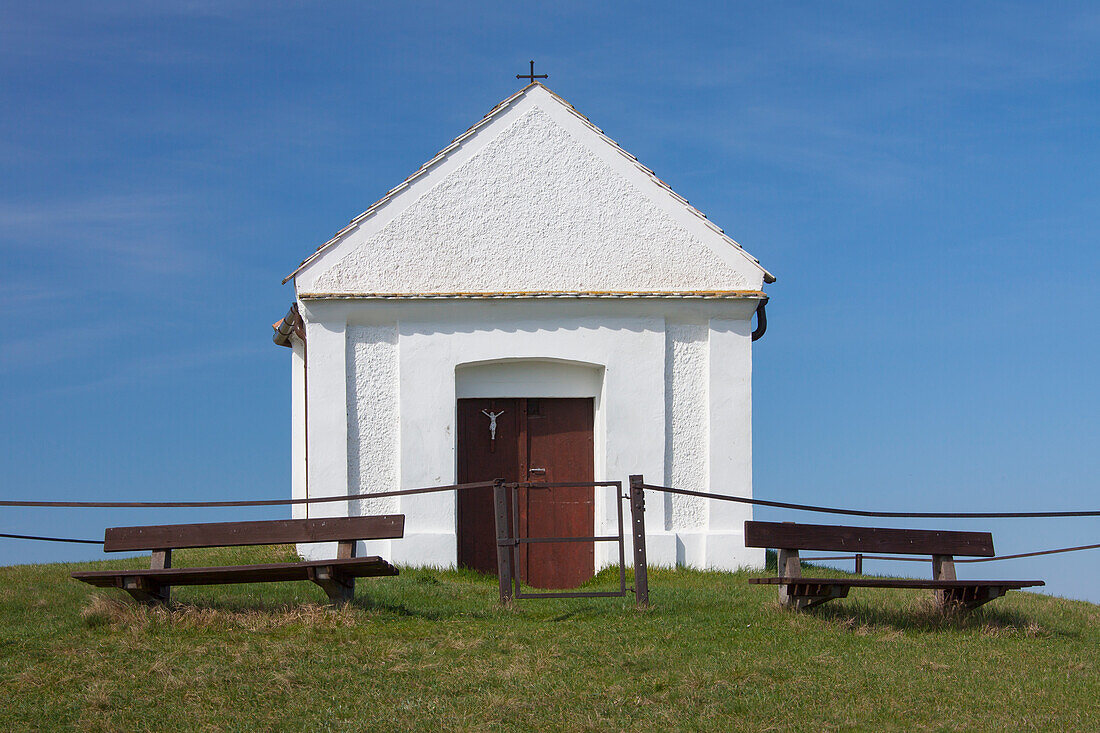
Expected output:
(492, 422)
(492, 428)
(532, 76)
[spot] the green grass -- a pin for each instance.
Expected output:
(431, 650)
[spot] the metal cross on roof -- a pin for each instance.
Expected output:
(532, 75)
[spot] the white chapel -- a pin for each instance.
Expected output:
(532, 304)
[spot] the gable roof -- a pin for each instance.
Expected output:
(492, 115)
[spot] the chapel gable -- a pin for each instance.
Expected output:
(535, 199)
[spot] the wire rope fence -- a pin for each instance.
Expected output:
(635, 497)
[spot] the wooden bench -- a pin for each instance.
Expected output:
(336, 577)
(798, 592)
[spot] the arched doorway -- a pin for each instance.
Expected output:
(529, 421)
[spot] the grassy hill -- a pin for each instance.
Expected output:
(431, 650)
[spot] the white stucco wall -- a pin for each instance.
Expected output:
(649, 364)
(298, 427)
(687, 408)
(535, 185)
(373, 451)
(562, 207)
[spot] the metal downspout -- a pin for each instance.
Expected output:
(761, 321)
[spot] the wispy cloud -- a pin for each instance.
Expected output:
(853, 96)
(20, 294)
(28, 352)
(936, 51)
(156, 366)
(130, 231)
(101, 210)
(60, 31)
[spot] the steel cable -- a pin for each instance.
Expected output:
(50, 539)
(865, 513)
(967, 559)
(248, 503)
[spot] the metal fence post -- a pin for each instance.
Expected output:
(637, 530)
(504, 541)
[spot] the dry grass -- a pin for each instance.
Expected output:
(120, 612)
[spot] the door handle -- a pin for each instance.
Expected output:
(537, 470)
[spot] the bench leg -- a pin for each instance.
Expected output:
(943, 568)
(803, 595)
(339, 589)
(790, 566)
(969, 597)
(145, 592)
(800, 596)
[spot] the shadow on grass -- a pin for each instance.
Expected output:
(111, 611)
(256, 615)
(375, 605)
(103, 610)
(424, 593)
(923, 615)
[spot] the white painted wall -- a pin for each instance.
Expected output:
(536, 200)
(730, 456)
(528, 378)
(672, 382)
(373, 448)
(687, 410)
(298, 426)
(327, 423)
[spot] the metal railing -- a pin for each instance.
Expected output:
(508, 546)
(510, 539)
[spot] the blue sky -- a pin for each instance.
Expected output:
(920, 177)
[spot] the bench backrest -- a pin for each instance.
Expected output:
(272, 532)
(792, 536)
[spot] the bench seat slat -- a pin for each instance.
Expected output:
(264, 532)
(359, 567)
(897, 582)
(794, 536)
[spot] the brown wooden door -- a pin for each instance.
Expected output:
(545, 440)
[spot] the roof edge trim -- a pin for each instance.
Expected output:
(579, 294)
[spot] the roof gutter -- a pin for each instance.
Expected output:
(290, 325)
(761, 321)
